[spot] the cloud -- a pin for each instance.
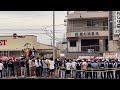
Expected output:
(31, 20)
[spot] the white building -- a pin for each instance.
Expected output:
(89, 30)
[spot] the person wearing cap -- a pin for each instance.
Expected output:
(1, 68)
(37, 66)
(110, 67)
(16, 66)
(84, 66)
(89, 74)
(102, 66)
(106, 68)
(68, 68)
(94, 66)
(98, 61)
(78, 68)
(117, 72)
(114, 66)
(62, 71)
(73, 63)
(9, 68)
(13, 72)
(4, 69)
(22, 66)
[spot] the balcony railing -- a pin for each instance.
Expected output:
(88, 28)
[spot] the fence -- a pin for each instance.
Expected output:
(98, 71)
(61, 73)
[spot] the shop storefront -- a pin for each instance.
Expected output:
(13, 46)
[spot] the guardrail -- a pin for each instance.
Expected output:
(82, 72)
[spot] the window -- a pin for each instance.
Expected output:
(105, 25)
(72, 43)
(90, 44)
(92, 23)
(4, 53)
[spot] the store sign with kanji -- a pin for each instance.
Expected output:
(117, 23)
(110, 55)
(77, 34)
(3, 42)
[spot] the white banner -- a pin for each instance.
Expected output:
(117, 23)
(110, 55)
(86, 57)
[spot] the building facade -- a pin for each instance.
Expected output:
(62, 46)
(10, 46)
(91, 33)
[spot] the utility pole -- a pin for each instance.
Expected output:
(67, 12)
(108, 29)
(53, 35)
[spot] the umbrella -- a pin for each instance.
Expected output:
(3, 58)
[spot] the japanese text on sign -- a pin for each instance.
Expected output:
(86, 34)
(117, 25)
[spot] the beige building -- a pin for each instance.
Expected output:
(13, 47)
(47, 50)
(62, 46)
(91, 31)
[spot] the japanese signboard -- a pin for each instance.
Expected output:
(77, 34)
(110, 55)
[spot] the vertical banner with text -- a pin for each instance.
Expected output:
(117, 23)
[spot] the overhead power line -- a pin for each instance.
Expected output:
(28, 16)
(38, 27)
(28, 33)
(29, 30)
(49, 34)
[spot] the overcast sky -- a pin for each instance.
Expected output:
(32, 23)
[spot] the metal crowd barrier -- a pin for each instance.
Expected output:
(105, 69)
(91, 70)
(58, 70)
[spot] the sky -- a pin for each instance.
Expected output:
(33, 23)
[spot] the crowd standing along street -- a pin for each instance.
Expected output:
(57, 69)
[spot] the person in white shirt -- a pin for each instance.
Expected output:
(74, 68)
(1, 68)
(52, 67)
(37, 64)
(45, 67)
(68, 69)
